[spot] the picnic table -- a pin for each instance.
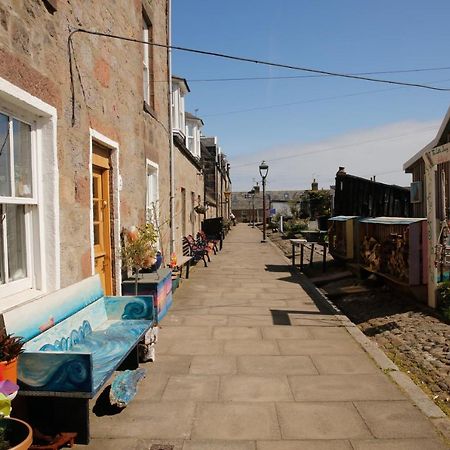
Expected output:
(302, 243)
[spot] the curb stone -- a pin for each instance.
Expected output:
(417, 396)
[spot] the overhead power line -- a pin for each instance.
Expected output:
(313, 100)
(256, 61)
(329, 149)
(296, 77)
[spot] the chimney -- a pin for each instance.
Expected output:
(314, 185)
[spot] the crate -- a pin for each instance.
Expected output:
(395, 247)
(342, 239)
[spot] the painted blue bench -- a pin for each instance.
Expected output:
(76, 338)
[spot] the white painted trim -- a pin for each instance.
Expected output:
(25, 100)
(115, 170)
(47, 232)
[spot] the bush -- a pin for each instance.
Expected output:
(444, 299)
(295, 226)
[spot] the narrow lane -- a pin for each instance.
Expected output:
(247, 360)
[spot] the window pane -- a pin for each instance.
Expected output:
(5, 175)
(15, 238)
(22, 158)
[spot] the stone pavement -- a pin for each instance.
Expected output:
(247, 360)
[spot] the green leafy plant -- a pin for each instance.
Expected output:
(295, 226)
(444, 299)
(139, 249)
(10, 347)
(5, 410)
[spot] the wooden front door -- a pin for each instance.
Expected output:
(101, 216)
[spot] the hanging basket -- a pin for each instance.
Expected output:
(200, 209)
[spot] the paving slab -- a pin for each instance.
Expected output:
(219, 445)
(328, 420)
(185, 332)
(192, 387)
(276, 365)
(171, 364)
(398, 419)
(320, 347)
(147, 420)
(194, 347)
(251, 347)
(236, 421)
(343, 388)
(213, 365)
(232, 332)
(285, 332)
(248, 388)
(344, 364)
(399, 444)
(304, 445)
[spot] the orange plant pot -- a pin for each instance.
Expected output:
(8, 370)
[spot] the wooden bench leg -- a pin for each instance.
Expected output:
(293, 255)
(312, 255)
(302, 251)
(204, 260)
(188, 265)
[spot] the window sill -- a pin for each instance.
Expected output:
(149, 110)
(19, 298)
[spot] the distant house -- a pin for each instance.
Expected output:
(216, 171)
(188, 179)
(246, 206)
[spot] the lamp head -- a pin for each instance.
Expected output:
(263, 170)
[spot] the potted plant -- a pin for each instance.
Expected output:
(10, 348)
(14, 433)
(139, 249)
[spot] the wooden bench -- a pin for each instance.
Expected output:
(195, 251)
(75, 339)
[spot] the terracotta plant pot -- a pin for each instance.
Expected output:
(8, 370)
(18, 433)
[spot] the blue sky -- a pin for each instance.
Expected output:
(275, 118)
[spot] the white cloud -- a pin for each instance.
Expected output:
(379, 151)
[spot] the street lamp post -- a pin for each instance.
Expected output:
(263, 171)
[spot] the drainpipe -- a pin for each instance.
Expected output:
(171, 152)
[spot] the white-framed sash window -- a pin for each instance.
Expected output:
(147, 61)
(18, 202)
(152, 197)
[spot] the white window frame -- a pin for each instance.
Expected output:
(146, 37)
(42, 209)
(152, 192)
(12, 287)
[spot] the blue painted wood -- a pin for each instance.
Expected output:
(55, 372)
(45, 312)
(126, 308)
(79, 354)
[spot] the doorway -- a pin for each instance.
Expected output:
(102, 216)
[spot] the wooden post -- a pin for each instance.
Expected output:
(293, 255)
(430, 180)
(324, 261)
(301, 256)
(312, 254)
